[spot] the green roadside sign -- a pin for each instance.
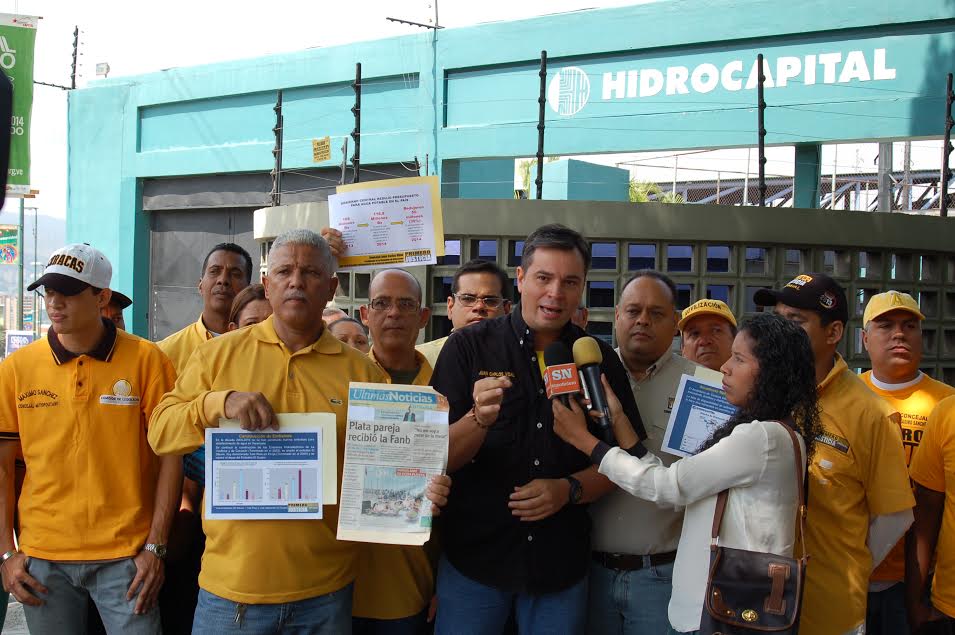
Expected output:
(17, 39)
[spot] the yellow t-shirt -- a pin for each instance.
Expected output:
(931, 466)
(394, 581)
(180, 345)
(858, 471)
(431, 350)
(90, 484)
(914, 401)
(265, 561)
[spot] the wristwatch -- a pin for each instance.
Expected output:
(157, 550)
(576, 490)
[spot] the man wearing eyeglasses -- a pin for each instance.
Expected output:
(479, 291)
(395, 582)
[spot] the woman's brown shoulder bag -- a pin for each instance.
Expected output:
(751, 592)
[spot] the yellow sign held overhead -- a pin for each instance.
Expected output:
(321, 149)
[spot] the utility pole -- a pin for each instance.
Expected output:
(356, 133)
(947, 147)
(541, 112)
(20, 267)
(76, 47)
(277, 152)
(761, 126)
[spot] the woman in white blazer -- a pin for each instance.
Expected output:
(770, 377)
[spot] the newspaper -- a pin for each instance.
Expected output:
(396, 439)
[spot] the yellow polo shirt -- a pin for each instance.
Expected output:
(265, 561)
(179, 346)
(81, 420)
(914, 401)
(931, 466)
(858, 471)
(394, 581)
(431, 350)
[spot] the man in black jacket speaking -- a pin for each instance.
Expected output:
(516, 530)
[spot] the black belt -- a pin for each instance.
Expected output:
(629, 562)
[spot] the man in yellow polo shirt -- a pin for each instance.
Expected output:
(860, 502)
(395, 582)
(707, 329)
(892, 335)
(932, 538)
(268, 575)
(96, 503)
(226, 270)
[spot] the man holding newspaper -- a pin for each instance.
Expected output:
(310, 573)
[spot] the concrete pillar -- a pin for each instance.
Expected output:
(807, 174)
(886, 197)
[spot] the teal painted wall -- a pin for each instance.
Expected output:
(575, 180)
(472, 94)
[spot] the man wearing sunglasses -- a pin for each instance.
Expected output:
(479, 291)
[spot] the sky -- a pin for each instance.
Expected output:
(136, 37)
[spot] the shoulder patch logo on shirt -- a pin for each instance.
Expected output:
(834, 441)
(37, 398)
(121, 395)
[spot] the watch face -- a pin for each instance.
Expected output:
(158, 550)
(575, 491)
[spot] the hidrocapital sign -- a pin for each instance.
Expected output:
(570, 88)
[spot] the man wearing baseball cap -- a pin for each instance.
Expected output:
(860, 502)
(114, 310)
(96, 502)
(892, 335)
(707, 329)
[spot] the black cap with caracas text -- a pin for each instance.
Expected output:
(811, 291)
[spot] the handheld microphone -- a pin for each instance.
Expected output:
(560, 373)
(588, 358)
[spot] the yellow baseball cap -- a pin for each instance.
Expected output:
(882, 303)
(703, 307)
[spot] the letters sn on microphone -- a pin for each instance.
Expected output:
(561, 379)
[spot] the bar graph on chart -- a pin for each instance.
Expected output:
(292, 484)
(240, 484)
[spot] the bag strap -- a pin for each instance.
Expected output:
(801, 476)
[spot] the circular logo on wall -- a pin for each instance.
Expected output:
(568, 91)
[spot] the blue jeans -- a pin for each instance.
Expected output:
(885, 612)
(71, 586)
(466, 607)
(629, 602)
(413, 625)
(329, 613)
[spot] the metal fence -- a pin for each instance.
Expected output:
(711, 251)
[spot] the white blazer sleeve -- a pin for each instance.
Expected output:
(736, 461)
